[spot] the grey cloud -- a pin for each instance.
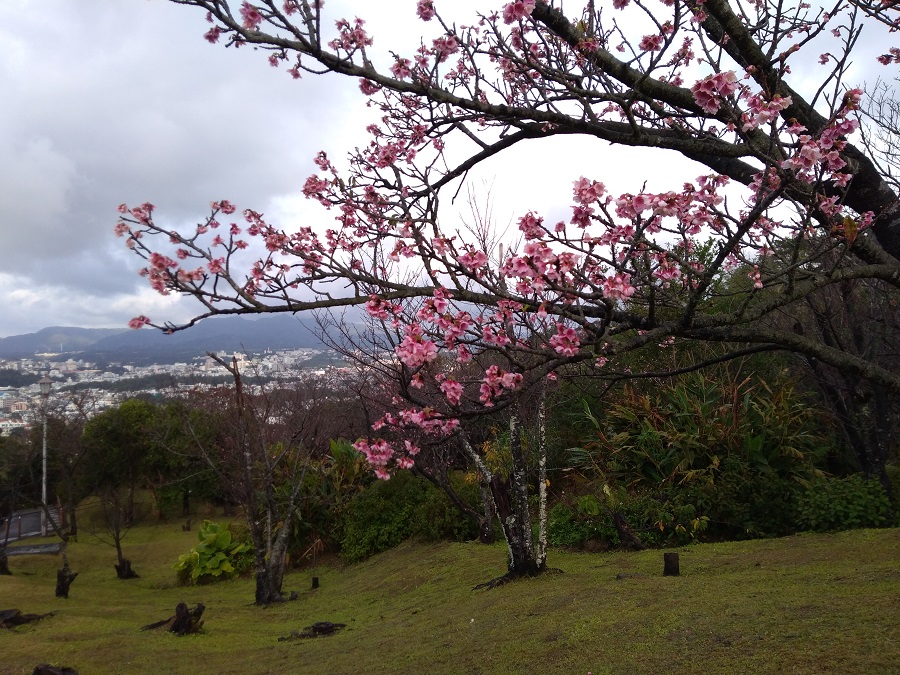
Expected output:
(109, 102)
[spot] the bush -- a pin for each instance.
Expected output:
(843, 504)
(439, 519)
(389, 512)
(328, 487)
(698, 427)
(565, 528)
(215, 558)
(743, 503)
(657, 520)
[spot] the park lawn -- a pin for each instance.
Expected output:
(804, 604)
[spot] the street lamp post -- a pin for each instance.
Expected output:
(44, 383)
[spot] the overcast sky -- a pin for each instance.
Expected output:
(111, 101)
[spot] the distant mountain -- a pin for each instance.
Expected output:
(55, 339)
(145, 346)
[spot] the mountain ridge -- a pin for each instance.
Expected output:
(145, 346)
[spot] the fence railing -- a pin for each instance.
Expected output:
(26, 523)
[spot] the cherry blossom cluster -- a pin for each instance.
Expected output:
(557, 297)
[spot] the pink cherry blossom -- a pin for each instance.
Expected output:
(444, 47)
(415, 350)
(212, 35)
(368, 87)
(530, 225)
(401, 69)
(566, 341)
(453, 390)
(893, 56)
(651, 43)
(756, 277)
(472, 259)
(425, 10)
(518, 10)
(618, 287)
(250, 16)
(708, 91)
(588, 191)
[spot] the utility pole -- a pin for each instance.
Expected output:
(44, 383)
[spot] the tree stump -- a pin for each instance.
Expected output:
(670, 565)
(124, 571)
(4, 565)
(184, 622)
(187, 620)
(64, 579)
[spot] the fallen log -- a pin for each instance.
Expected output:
(47, 669)
(318, 629)
(10, 618)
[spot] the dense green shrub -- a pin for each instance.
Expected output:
(656, 519)
(742, 503)
(217, 557)
(844, 503)
(328, 487)
(726, 455)
(439, 519)
(567, 528)
(388, 512)
(686, 431)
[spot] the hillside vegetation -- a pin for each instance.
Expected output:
(804, 604)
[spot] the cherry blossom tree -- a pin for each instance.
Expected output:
(425, 421)
(788, 199)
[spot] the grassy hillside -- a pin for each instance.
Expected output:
(804, 604)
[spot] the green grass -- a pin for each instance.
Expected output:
(803, 604)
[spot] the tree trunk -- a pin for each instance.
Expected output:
(268, 590)
(129, 508)
(541, 551)
(124, 571)
(70, 502)
(626, 534)
(269, 570)
(73, 524)
(522, 560)
(521, 523)
(486, 533)
(64, 579)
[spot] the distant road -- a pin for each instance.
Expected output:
(33, 550)
(24, 524)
